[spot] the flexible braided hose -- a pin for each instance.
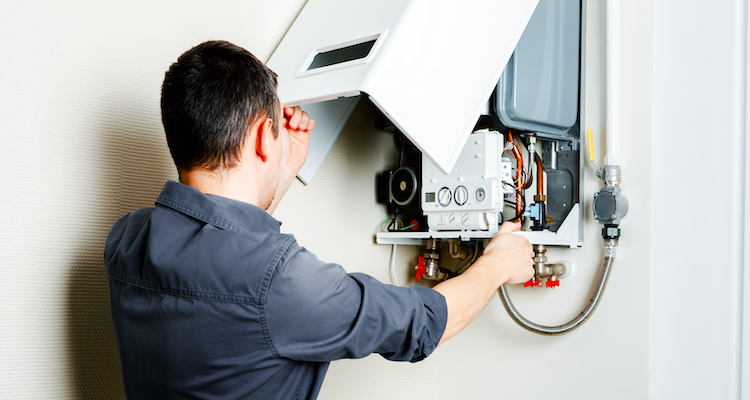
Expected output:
(610, 250)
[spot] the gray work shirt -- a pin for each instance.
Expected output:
(210, 300)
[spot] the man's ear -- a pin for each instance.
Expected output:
(263, 133)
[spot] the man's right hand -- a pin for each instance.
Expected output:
(506, 260)
(511, 253)
(296, 128)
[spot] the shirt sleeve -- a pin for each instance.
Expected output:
(315, 311)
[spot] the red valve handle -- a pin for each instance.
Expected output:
(420, 268)
(532, 282)
(552, 283)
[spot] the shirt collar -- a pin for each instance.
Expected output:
(219, 211)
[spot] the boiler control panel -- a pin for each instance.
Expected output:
(471, 196)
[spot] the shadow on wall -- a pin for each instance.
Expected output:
(133, 165)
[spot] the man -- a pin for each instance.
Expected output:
(210, 300)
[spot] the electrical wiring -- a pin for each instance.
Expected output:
(520, 210)
(410, 226)
(519, 173)
(395, 224)
(529, 181)
(401, 153)
(509, 186)
(395, 221)
(391, 222)
(392, 267)
(520, 206)
(514, 204)
(513, 149)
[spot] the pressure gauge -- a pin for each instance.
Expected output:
(444, 197)
(480, 194)
(461, 195)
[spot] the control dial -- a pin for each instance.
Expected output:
(461, 195)
(444, 197)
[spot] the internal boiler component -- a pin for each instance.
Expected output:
(428, 265)
(399, 189)
(538, 91)
(457, 249)
(402, 186)
(471, 196)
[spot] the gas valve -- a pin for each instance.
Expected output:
(533, 283)
(551, 272)
(420, 268)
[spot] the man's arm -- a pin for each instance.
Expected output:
(506, 260)
(295, 130)
(316, 311)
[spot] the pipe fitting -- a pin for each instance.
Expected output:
(552, 272)
(531, 147)
(612, 176)
(556, 270)
(432, 244)
(428, 266)
(610, 247)
(432, 259)
(457, 249)
(540, 260)
(432, 269)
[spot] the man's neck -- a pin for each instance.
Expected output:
(233, 184)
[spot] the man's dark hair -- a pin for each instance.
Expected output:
(210, 97)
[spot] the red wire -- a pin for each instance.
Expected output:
(520, 172)
(520, 168)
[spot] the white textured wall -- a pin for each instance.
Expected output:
(81, 143)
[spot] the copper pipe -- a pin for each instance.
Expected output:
(539, 176)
